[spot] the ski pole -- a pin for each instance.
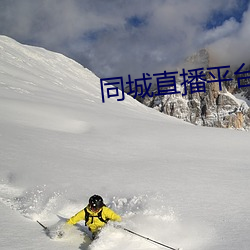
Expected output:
(45, 228)
(146, 238)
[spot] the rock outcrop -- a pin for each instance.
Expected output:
(226, 108)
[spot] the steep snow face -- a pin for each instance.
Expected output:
(176, 183)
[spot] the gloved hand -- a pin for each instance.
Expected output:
(62, 229)
(118, 226)
(60, 233)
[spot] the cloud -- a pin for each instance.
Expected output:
(115, 38)
(228, 28)
(233, 48)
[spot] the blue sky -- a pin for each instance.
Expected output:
(117, 37)
(219, 16)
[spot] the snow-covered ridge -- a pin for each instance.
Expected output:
(32, 78)
(52, 68)
(33, 74)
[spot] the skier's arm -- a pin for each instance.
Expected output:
(110, 214)
(77, 217)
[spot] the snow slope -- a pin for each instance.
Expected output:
(176, 183)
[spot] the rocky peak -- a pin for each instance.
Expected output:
(226, 108)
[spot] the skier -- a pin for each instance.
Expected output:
(95, 214)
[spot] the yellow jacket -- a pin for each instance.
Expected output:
(94, 223)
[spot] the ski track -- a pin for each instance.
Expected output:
(139, 215)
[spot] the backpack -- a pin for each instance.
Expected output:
(88, 216)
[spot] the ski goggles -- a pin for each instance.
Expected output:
(94, 208)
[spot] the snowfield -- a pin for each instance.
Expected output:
(182, 185)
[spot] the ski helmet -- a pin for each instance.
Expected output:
(95, 202)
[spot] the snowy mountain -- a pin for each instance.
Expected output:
(182, 185)
(227, 107)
